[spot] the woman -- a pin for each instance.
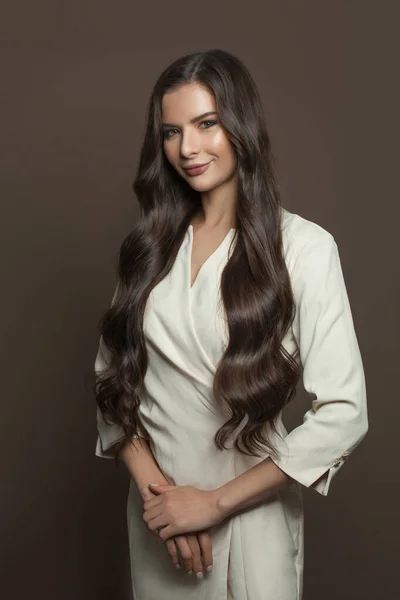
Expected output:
(224, 299)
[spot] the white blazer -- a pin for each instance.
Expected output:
(259, 552)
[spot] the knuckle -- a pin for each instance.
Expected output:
(196, 554)
(193, 543)
(204, 543)
(206, 549)
(172, 553)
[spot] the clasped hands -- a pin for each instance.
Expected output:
(176, 510)
(194, 548)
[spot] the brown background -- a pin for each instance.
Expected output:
(76, 77)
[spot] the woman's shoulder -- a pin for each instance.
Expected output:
(299, 232)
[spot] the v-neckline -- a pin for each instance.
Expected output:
(208, 259)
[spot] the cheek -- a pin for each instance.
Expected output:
(220, 143)
(223, 147)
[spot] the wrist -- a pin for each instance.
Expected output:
(251, 488)
(222, 505)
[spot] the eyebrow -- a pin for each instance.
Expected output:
(194, 120)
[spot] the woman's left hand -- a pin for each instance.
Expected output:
(180, 509)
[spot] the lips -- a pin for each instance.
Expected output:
(192, 171)
(190, 167)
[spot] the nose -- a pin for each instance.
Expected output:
(190, 143)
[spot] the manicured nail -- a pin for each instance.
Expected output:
(178, 566)
(155, 484)
(199, 575)
(209, 568)
(189, 572)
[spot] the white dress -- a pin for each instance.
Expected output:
(258, 552)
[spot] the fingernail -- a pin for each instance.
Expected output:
(209, 568)
(178, 566)
(154, 484)
(189, 572)
(199, 575)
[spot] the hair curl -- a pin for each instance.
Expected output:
(256, 376)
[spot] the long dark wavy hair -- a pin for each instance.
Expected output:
(256, 376)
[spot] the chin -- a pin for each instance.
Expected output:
(202, 187)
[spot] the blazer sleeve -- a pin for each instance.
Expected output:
(337, 420)
(108, 434)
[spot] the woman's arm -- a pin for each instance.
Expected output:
(141, 464)
(250, 488)
(136, 454)
(337, 421)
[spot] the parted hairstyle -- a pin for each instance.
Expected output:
(256, 376)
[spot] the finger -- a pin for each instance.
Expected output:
(146, 493)
(150, 515)
(159, 489)
(196, 553)
(168, 531)
(206, 549)
(160, 522)
(152, 502)
(159, 538)
(173, 552)
(185, 552)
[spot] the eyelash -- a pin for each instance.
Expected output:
(165, 136)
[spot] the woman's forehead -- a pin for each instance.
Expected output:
(187, 102)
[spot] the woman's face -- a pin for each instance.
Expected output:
(190, 140)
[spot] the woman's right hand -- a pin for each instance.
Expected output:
(194, 549)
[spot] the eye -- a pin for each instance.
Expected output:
(209, 121)
(166, 132)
